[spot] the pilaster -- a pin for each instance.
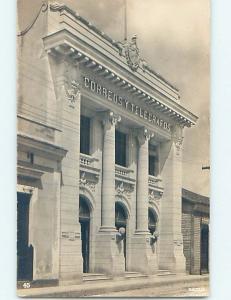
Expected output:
(68, 97)
(171, 241)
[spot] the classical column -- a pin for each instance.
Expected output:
(142, 255)
(108, 168)
(171, 255)
(142, 182)
(109, 258)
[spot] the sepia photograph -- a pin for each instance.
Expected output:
(113, 139)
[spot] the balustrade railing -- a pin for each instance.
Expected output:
(88, 161)
(124, 172)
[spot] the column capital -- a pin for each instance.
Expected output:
(143, 135)
(109, 119)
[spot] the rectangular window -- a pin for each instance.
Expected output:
(153, 161)
(85, 135)
(120, 148)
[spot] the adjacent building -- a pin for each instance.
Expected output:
(99, 155)
(195, 230)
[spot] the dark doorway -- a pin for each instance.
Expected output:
(152, 221)
(121, 221)
(84, 219)
(204, 248)
(24, 251)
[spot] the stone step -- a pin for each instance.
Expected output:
(165, 273)
(134, 275)
(87, 277)
(101, 287)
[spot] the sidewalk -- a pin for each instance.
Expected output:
(115, 285)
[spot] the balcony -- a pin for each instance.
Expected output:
(155, 185)
(124, 174)
(89, 164)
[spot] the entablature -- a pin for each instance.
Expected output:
(79, 41)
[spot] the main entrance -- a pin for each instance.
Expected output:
(24, 251)
(204, 248)
(84, 220)
(121, 221)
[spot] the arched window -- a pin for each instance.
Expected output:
(84, 211)
(152, 220)
(120, 216)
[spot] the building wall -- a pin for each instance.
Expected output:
(191, 228)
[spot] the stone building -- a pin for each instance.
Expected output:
(195, 230)
(99, 154)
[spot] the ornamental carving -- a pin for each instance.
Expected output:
(151, 196)
(86, 182)
(132, 53)
(124, 189)
(72, 92)
(154, 195)
(177, 138)
(144, 135)
(110, 119)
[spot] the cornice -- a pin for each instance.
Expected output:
(63, 43)
(40, 145)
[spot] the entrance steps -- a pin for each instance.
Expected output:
(164, 273)
(131, 275)
(94, 277)
(89, 277)
(159, 285)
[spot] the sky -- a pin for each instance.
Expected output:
(173, 37)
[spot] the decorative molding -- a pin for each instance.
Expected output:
(174, 111)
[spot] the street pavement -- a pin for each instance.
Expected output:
(152, 292)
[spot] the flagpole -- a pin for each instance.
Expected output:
(125, 20)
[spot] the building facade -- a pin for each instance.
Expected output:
(195, 230)
(99, 154)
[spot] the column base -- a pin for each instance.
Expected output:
(172, 257)
(107, 229)
(143, 254)
(109, 256)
